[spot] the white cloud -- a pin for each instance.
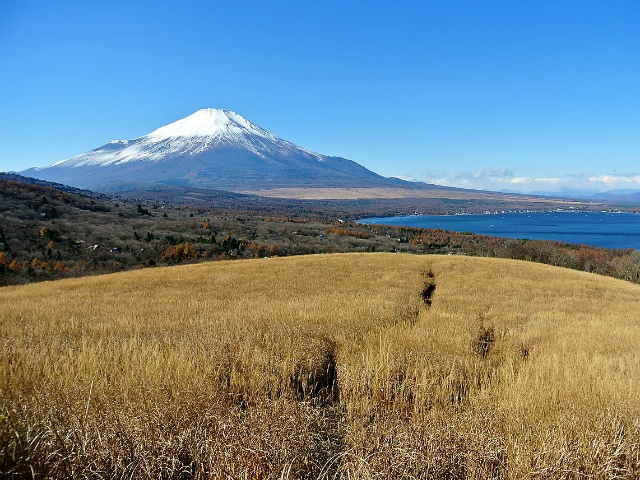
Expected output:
(518, 180)
(507, 180)
(616, 181)
(408, 178)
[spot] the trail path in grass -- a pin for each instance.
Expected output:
(349, 365)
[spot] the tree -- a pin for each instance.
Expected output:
(49, 233)
(4, 261)
(180, 252)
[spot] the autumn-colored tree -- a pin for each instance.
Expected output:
(257, 248)
(49, 233)
(180, 252)
(206, 225)
(4, 260)
(35, 264)
(349, 233)
(60, 266)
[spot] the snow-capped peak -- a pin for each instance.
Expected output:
(203, 130)
(209, 122)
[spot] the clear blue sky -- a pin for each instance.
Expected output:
(522, 95)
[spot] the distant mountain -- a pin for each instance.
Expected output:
(615, 196)
(212, 149)
(622, 195)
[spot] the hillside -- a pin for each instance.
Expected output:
(324, 366)
(50, 231)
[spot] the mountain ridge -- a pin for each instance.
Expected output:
(210, 148)
(193, 134)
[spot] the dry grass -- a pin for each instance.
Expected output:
(337, 366)
(357, 193)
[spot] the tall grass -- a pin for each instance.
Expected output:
(331, 366)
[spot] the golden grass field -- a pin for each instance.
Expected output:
(329, 366)
(356, 193)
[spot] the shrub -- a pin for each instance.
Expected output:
(483, 341)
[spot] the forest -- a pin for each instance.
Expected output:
(50, 231)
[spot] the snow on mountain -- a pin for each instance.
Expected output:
(192, 135)
(211, 149)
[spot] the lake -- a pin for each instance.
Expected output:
(600, 229)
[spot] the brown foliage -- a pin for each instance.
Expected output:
(4, 260)
(348, 232)
(87, 226)
(181, 252)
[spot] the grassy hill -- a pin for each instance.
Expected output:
(324, 366)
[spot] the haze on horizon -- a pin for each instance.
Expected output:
(518, 96)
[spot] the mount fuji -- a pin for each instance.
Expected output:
(210, 148)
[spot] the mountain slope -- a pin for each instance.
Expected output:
(210, 148)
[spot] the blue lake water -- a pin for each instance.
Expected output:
(600, 229)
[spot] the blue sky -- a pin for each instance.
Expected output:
(517, 95)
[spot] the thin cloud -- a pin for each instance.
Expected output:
(617, 181)
(506, 179)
